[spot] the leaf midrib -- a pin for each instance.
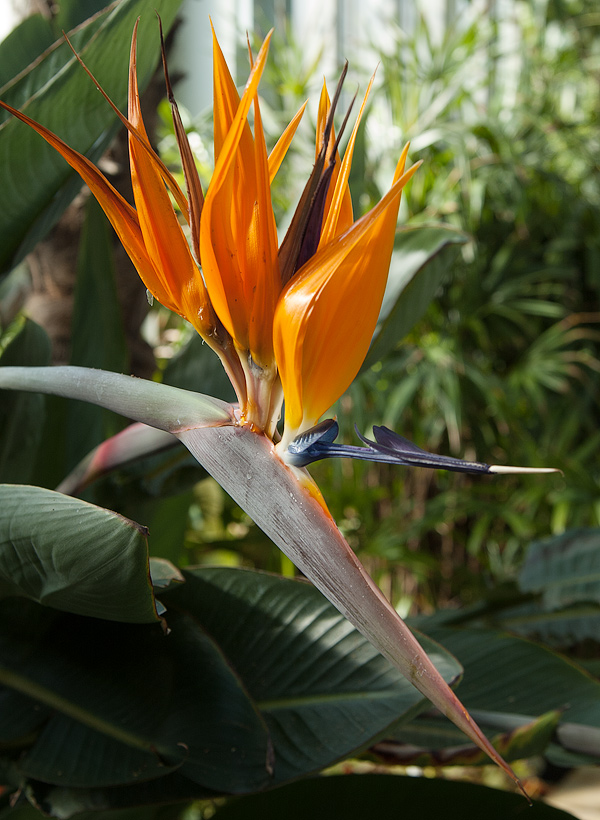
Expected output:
(22, 684)
(277, 704)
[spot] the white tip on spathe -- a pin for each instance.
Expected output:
(505, 469)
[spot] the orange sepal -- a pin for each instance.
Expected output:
(263, 287)
(326, 316)
(225, 105)
(229, 223)
(338, 207)
(121, 215)
(168, 177)
(345, 216)
(163, 237)
(195, 201)
(283, 143)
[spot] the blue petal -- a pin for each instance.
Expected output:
(389, 447)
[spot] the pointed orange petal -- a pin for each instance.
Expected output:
(192, 180)
(163, 237)
(326, 316)
(339, 213)
(226, 102)
(143, 139)
(322, 114)
(228, 218)
(263, 287)
(121, 215)
(283, 143)
(345, 215)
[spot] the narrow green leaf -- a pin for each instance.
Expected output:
(22, 414)
(135, 442)
(427, 742)
(158, 405)
(98, 338)
(421, 259)
(72, 556)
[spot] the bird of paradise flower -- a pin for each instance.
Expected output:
(290, 322)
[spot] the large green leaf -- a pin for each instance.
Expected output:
(421, 259)
(73, 556)
(37, 38)
(57, 92)
(323, 689)
(22, 414)
(358, 797)
(564, 569)
(125, 703)
(23, 45)
(71, 13)
(510, 681)
(564, 574)
(140, 801)
(114, 700)
(558, 627)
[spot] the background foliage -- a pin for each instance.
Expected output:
(492, 353)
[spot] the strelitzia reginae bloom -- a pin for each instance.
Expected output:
(289, 322)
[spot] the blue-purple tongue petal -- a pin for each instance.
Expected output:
(389, 447)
